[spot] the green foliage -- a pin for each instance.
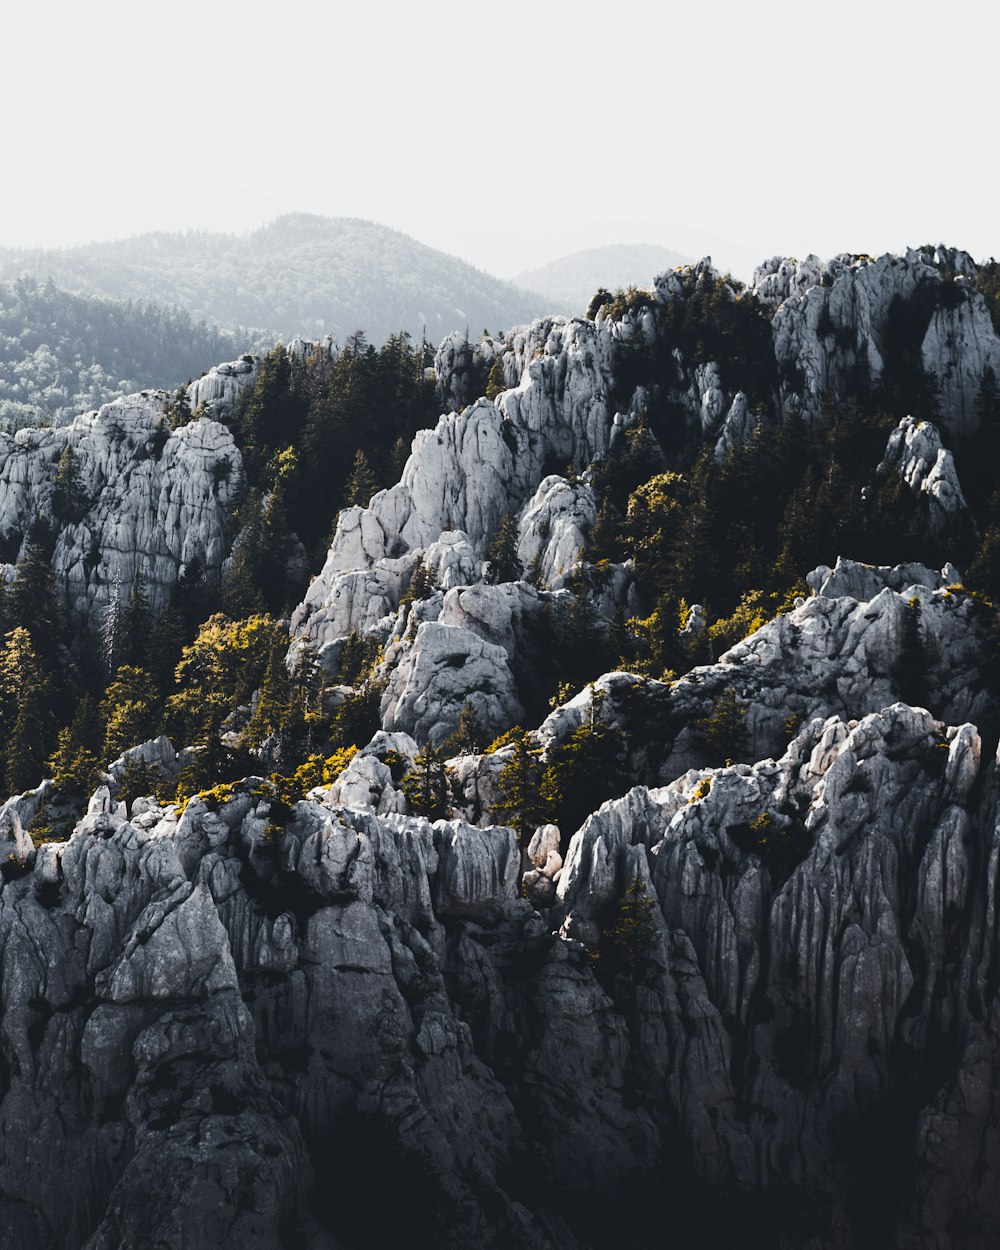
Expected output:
(426, 785)
(69, 499)
(361, 484)
(358, 658)
(317, 770)
(701, 790)
(422, 584)
(257, 578)
(496, 383)
(910, 669)
(523, 789)
(177, 408)
(217, 674)
(129, 711)
(630, 936)
(722, 730)
(75, 765)
(27, 719)
(139, 779)
(469, 736)
(584, 771)
(503, 564)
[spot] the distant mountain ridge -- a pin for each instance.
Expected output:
(300, 275)
(63, 354)
(571, 281)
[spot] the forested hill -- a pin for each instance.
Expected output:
(299, 275)
(62, 354)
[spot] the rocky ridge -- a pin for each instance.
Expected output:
(762, 981)
(203, 1004)
(148, 500)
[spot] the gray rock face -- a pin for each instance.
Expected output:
(153, 499)
(554, 528)
(832, 319)
(475, 467)
(208, 1018)
(220, 388)
(842, 652)
(915, 452)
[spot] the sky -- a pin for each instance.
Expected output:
(508, 134)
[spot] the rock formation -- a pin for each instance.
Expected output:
(146, 499)
(753, 995)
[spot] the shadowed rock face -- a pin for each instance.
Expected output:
(216, 1028)
(756, 1002)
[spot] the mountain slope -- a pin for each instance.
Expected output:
(570, 282)
(691, 939)
(299, 275)
(62, 354)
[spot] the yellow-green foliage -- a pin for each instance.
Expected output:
(221, 669)
(316, 771)
(506, 739)
(701, 790)
(754, 609)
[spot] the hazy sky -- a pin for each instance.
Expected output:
(509, 133)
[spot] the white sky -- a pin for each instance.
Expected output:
(510, 133)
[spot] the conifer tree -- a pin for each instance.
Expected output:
(74, 766)
(69, 500)
(502, 562)
(135, 622)
(26, 696)
(129, 711)
(361, 484)
(522, 804)
(426, 785)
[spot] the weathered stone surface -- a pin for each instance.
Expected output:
(153, 500)
(915, 453)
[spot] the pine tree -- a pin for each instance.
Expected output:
(135, 622)
(361, 484)
(630, 938)
(426, 785)
(910, 670)
(522, 805)
(74, 766)
(723, 729)
(69, 500)
(29, 723)
(502, 562)
(129, 711)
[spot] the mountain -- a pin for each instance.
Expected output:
(571, 282)
(601, 852)
(300, 275)
(61, 354)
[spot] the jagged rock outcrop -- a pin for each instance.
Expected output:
(866, 638)
(218, 390)
(554, 528)
(476, 467)
(210, 1018)
(915, 453)
(837, 323)
(149, 499)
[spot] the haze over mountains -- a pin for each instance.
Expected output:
(300, 275)
(571, 281)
